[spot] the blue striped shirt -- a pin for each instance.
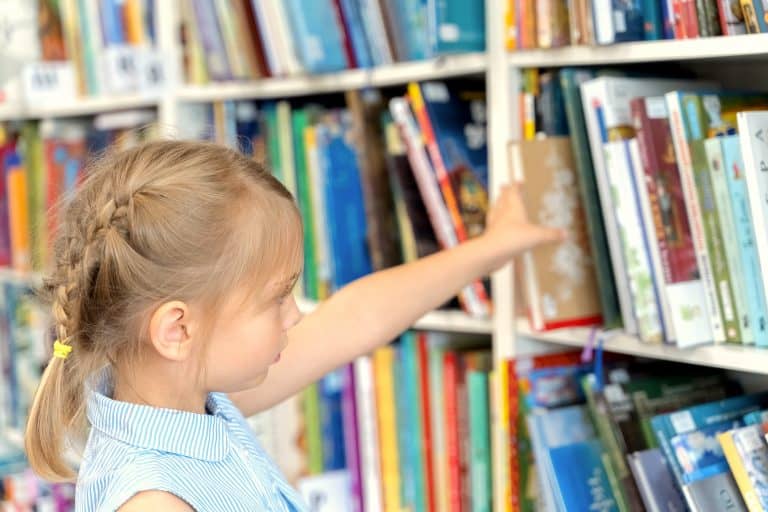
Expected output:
(211, 461)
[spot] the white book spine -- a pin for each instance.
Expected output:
(316, 167)
(269, 36)
(370, 464)
(376, 32)
(286, 48)
(753, 136)
(654, 253)
(631, 234)
(683, 156)
(593, 93)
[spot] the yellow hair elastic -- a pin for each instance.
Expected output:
(61, 350)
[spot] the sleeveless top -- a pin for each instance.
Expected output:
(211, 461)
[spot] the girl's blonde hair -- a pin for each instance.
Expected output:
(168, 220)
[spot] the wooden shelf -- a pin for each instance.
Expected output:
(400, 73)
(707, 48)
(81, 107)
(446, 321)
(729, 357)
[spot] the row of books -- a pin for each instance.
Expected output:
(669, 184)
(25, 492)
(42, 162)
(247, 39)
(555, 23)
(376, 186)
(629, 436)
(410, 424)
(78, 47)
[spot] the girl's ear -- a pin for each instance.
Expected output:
(170, 331)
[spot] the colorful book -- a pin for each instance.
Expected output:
(733, 164)
(747, 456)
(559, 294)
(383, 362)
(680, 288)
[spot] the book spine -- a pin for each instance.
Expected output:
(369, 436)
(734, 172)
(450, 376)
(385, 397)
(750, 16)
(739, 471)
(479, 433)
(134, 22)
(352, 437)
(714, 241)
(730, 23)
(730, 241)
(688, 183)
(690, 19)
(412, 390)
(653, 23)
(314, 436)
(510, 26)
(425, 401)
(18, 212)
(438, 421)
(212, 41)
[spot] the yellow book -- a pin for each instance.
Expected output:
(510, 26)
(72, 39)
(133, 14)
(739, 470)
(383, 360)
(18, 215)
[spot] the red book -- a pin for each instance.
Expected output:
(452, 442)
(426, 438)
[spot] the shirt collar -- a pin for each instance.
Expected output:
(200, 436)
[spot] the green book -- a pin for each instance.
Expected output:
(273, 163)
(571, 79)
(722, 197)
(311, 406)
(32, 148)
(299, 121)
(479, 440)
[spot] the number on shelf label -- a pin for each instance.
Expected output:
(51, 82)
(121, 69)
(328, 492)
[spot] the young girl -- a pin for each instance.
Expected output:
(171, 294)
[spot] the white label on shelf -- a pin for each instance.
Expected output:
(682, 422)
(46, 83)
(328, 492)
(122, 68)
(152, 72)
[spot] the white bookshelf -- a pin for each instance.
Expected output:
(305, 85)
(85, 106)
(708, 48)
(440, 320)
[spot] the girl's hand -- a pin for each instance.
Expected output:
(508, 229)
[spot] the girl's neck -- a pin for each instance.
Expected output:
(159, 385)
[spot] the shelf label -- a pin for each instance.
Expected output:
(328, 492)
(46, 83)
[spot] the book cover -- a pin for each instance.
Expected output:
(457, 26)
(699, 453)
(318, 39)
(642, 280)
(753, 138)
(727, 225)
(353, 23)
(747, 456)
(373, 22)
(680, 282)
(713, 494)
(571, 79)
(560, 283)
(581, 477)
(733, 164)
(655, 481)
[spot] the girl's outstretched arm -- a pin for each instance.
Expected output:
(375, 309)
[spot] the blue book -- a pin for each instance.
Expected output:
(700, 454)
(458, 117)
(581, 477)
(667, 426)
(628, 20)
(317, 35)
(653, 20)
(405, 425)
(331, 420)
(410, 22)
(556, 386)
(112, 27)
(248, 126)
(456, 26)
(411, 392)
(356, 31)
(668, 19)
(733, 163)
(345, 208)
(756, 417)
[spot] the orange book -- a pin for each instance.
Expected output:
(133, 18)
(510, 26)
(18, 213)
